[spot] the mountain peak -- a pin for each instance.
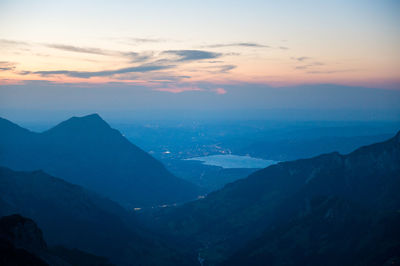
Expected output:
(88, 118)
(92, 116)
(87, 123)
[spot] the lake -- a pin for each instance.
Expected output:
(233, 161)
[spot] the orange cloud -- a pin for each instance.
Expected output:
(220, 91)
(178, 90)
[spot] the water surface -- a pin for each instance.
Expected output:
(233, 161)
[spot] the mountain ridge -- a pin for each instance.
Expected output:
(88, 152)
(87, 122)
(75, 218)
(225, 220)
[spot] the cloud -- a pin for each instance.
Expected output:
(191, 55)
(86, 50)
(301, 58)
(178, 90)
(6, 66)
(139, 57)
(24, 72)
(233, 54)
(226, 68)
(147, 40)
(221, 69)
(238, 44)
(17, 46)
(154, 76)
(283, 48)
(161, 61)
(89, 74)
(134, 56)
(214, 62)
(220, 91)
(314, 64)
(330, 71)
(183, 55)
(5, 42)
(140, 41)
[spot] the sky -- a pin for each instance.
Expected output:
(180, 47)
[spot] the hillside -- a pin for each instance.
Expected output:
(226, 220)
(88, 152)
(76, 218)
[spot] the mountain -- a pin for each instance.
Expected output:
(22, 243)
(88, 152)
(333, 232)
(76, 218)
(292, 212)
(299, 148)
(20, 239)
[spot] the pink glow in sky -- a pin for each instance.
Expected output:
(171, 46)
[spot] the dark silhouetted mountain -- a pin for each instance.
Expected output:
(12, 256)
(22, 232)
(76, 218)
(88, 152)
(77, 257)
(22, 243)
(333, 232)
(20, 239)
(299, 212)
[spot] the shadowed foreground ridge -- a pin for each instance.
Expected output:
(75, 218)
(22, 243)
(20, 239)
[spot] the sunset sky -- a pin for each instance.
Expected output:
(180, 46)
(171, 45)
